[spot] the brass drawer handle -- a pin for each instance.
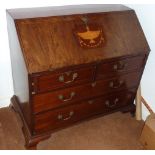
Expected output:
(93, 84)
(90, 101)
(116, 85)
(62, 77)
(61, 117)
(120, 66)
(109, 105)
(61, 97)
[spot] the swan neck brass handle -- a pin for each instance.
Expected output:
(85, 20)
(61, 117)
(90, 102)
(116, 85)
(119, 66)
(93, 84)
(62, 77)
(61, 97)
(109, 105)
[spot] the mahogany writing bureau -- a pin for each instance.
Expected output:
(73, 63)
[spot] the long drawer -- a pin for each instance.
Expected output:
(65, 116)
(50, 100)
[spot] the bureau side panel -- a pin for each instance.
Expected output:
(19, 70)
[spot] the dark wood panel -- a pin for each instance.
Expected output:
(64, 10)
(45, 48)
(62, 79)
(46, 101)
(70, 114)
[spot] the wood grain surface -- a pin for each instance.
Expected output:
(73, 113)
(50, 100)
(49, 43)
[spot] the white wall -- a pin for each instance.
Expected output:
(146, 15)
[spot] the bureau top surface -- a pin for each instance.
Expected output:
(22, 13)
(57, 37)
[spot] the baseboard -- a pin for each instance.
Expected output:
(4, 102)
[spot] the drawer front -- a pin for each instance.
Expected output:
(62, 117)
(118, 67)
(46, 101)
(57, 80)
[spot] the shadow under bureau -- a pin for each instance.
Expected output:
(73, 63)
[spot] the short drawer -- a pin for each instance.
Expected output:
(119, 66)
(52, 81)
(65, 116)
(50, 100)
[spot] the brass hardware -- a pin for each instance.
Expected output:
(61, 117)
(33, 93)
(32, 83)
(85, 20)
(93, 84)
(115, 67)
(62, 79)
(61, 97)
(107, 103)
(116, 100)
(120, 66)
(113, 85)
(90, 101)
